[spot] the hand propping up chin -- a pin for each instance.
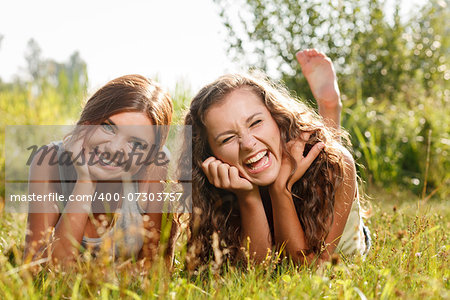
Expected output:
(224, 176)
(296, 149)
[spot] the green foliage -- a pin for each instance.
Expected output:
(393, 74)
(396, 144)
(181, 96)
(392, 118)
(408, 259)
(51, 95)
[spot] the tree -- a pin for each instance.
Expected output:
(393, 73)
(68, 79)
(368, 50)
(33, 56)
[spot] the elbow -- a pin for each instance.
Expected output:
(34, 256)
(316, 259)
(255, 253)
(304, 258)
(62, 254)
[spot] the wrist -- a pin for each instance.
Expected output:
(248, 197)
(86, 182)
(279, 192)
(83, 176)
(278, 188)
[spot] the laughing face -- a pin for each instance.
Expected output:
(119, 146)
(242, 133)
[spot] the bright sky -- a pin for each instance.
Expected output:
(171, 38)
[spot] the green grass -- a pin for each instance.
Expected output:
(402, 148)
(408, 259)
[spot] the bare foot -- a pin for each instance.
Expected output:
(321, 76)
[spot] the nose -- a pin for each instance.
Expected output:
(115, 145)
(247, 142)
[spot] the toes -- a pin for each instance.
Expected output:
(313, 52)
(308, 52)
(321, 54)
(301, 57)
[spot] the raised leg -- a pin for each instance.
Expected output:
(321, 76)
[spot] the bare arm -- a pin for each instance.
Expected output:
(68, 228)
(254, 225)
(345, 195)
(153, 216)
(287, 225)
(255, 231)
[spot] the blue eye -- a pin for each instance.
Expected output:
(138, 145)
(107, 127)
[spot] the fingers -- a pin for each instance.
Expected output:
(303, 163)
(216, 172)
(205, 168)
(313, 153)
(74, 145)
(234, 176)
(296, 148)
(237, 182)
(224, 176)
(75, 148)
(305, 135)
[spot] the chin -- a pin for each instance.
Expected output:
(104, 174)
(266, 180)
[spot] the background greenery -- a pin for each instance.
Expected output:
(393, 74)
(394, 78)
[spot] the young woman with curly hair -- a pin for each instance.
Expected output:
(268, 171)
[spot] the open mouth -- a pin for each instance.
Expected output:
(258, 162)
(105, 162)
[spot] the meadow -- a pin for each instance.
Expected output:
(409, 259)
(400, 134)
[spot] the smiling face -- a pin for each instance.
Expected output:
(119, 145)
(242, 132)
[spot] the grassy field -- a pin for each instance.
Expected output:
(408, 260)
(401, 146)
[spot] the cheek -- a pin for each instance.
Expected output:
(275, 137)
(96, 138)
(228, 153)
(275, 129)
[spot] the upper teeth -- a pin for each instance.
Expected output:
(256, 157)
(111, 163)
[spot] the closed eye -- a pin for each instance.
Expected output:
(226, 140)
(255, 123)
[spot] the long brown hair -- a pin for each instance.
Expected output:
(134, 93)
(129, 93)
(216, 210)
